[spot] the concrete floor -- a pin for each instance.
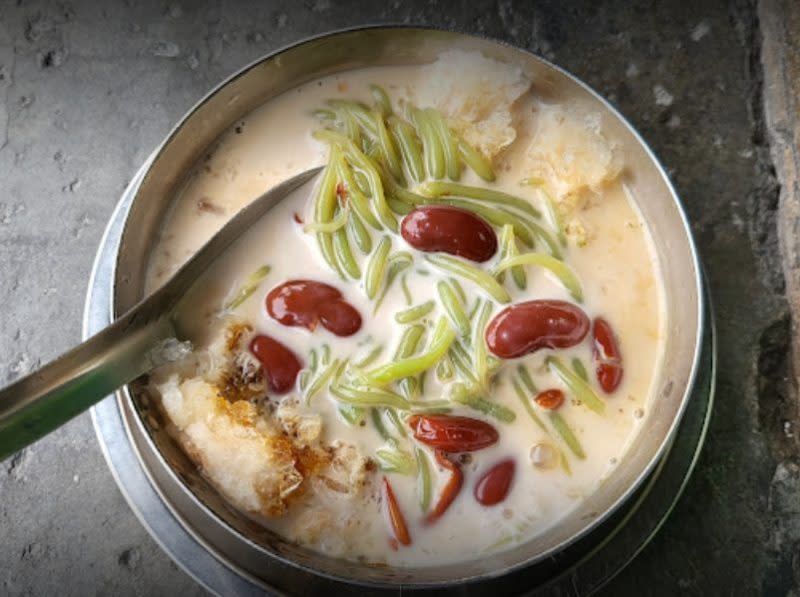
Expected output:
(88, 89)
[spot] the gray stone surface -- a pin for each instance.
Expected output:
(88, 89)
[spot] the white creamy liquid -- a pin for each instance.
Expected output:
(617, 270)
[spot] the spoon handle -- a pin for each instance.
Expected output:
(139, 341)
(47, 398)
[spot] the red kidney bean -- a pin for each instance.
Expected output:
(450, 230)
(453, 434)
(280, 363)
(550, 399)
(306, 303)
(526, 327)
(492, 488)
(607, 356)
(340, 318)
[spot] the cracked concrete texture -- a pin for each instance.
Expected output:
(86, 92)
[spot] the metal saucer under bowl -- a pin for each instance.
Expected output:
(580, 569)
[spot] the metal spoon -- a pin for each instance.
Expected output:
(139, 341)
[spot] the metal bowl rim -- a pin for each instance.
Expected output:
(701, 315)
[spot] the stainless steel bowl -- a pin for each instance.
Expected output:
(248, 547)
